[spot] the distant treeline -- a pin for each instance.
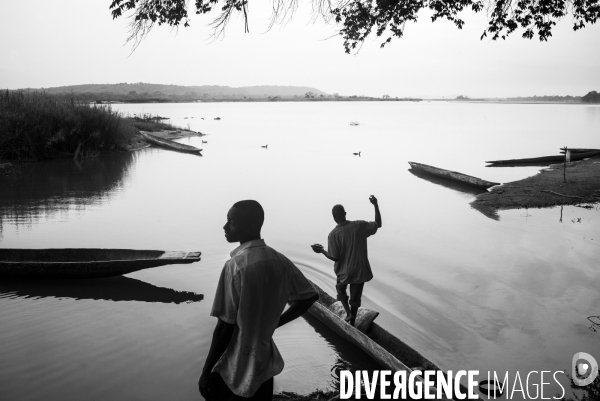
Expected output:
(591, 97)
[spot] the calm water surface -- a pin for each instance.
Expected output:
(467, 291)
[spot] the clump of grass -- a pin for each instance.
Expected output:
(36, 126)
(147, 122)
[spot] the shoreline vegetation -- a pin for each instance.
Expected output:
(37, 126)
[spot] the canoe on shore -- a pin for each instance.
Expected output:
(168, 144)
(548, 159)
(453, 175)
(85, 263)
(383, 347)
(579, 150)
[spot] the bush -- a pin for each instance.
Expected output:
(36, 126)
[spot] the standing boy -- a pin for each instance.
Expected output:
(347, 247)
(254, 287)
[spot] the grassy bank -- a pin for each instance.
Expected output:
(37, 126)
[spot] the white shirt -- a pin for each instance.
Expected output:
(254, 287)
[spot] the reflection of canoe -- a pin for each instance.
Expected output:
(168, 144)
(85, 263)
(117, 289)
(547, 159)
(453, 175)
(383, 347)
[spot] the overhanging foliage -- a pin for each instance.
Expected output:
(360, 18)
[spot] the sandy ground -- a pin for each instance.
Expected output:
(138, 142)
(546, 189)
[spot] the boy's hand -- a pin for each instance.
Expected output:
(373, 200)
(318, 248)
(203, 386)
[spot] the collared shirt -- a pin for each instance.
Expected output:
(254, 287)
(347, 243)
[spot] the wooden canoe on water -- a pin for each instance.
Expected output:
(453, 175)
(168, 144)
(383, 347)
(548, 159)
(85, 263)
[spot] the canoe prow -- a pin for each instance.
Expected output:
(453, 175)
(85, 263)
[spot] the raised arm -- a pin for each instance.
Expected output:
(373, 200)
(296, 309)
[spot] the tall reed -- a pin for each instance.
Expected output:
(36, 126)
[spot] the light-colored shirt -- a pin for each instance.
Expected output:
(254, 287)
(347, 243)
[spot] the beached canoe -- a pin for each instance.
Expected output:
(548, 159)
(168, 144)
(453, 175)
(383, 347)
(85, 263)
(579, 150)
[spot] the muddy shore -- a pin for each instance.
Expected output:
(545, 189)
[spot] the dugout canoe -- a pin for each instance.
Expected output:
(387, 350)
(453, 175)
(85, 263)
(171, 145)
(547, 159)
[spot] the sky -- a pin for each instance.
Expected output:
(47, 44)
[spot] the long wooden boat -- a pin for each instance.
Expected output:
(579, 150)
(168, 144)
(453, 175)
(548, 159)
(85, 263)
(383, 347)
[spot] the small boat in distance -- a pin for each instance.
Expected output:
(453, 175)
(168, 144)
(85, 263)
(354, 123)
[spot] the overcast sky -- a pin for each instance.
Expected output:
(48, 43)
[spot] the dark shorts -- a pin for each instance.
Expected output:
(356, 291)
(220, 392)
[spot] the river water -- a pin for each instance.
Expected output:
(466, 290)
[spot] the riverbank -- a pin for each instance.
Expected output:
(546, 189)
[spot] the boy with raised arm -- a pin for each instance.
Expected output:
(347, 247)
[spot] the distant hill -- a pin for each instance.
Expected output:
(145, 91)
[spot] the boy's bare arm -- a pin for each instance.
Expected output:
(296, 309)
(220, 340)
(318, 248)
(373, 200)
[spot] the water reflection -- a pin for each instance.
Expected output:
(116, 289)
(459, 187)
(348, 356)
(39, 189)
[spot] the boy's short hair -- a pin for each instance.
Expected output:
(252, 212)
